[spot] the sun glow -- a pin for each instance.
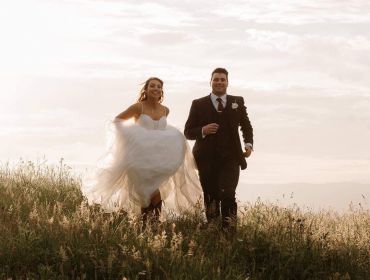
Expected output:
(42, 38)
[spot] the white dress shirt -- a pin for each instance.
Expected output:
(215, 102)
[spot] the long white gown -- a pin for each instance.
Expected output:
(144, 157)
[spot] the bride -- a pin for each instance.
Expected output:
(149, 162)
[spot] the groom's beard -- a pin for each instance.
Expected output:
(219, 90)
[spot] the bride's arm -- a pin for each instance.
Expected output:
(131, 112)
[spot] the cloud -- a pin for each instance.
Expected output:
(142, 14)
(309, 60)
(296, 13)
(266, 40)
(271, 40)
(165, 38)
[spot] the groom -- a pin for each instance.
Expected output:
(213, 122)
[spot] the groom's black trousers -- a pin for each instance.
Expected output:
(219, 178)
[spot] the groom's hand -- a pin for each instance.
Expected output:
(210, 128)
(248, 151)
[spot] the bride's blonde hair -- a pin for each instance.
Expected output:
(143, 92)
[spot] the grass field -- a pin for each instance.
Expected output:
(48, 231)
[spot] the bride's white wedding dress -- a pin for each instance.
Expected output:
(144, 157)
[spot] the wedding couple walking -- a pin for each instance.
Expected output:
(149, 162)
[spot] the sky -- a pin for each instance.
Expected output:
(69, 67)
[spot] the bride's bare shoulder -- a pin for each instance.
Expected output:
(138, 107)
(166, 109)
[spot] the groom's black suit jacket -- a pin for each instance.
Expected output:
(202, 112)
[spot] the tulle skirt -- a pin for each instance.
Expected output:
(141, 161)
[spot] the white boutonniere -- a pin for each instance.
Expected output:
(234, 105)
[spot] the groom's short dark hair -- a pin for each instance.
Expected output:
(222, 71)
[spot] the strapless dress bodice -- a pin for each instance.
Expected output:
(146, 121)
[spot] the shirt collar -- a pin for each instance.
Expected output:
(214, 97)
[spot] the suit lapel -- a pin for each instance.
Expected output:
(230, 113)
(228, 110)
(228, 104)
(212, 108)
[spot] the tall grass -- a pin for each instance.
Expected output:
(48, 231)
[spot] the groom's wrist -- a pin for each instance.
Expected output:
(203, 135)
(248, 146)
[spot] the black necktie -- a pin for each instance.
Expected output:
(220, 107)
